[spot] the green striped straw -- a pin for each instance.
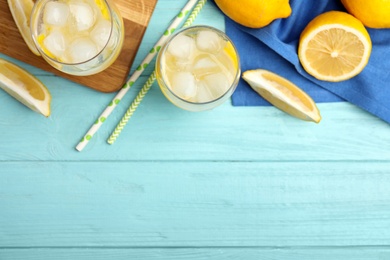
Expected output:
(137, 73)
(141, 94)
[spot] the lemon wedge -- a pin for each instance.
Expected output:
(283, 94)
(24, 87)
(21, 12)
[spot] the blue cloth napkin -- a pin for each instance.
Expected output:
(274, 48)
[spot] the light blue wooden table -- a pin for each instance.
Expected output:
(231, 183)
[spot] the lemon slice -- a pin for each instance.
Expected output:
(103, 8)
(334, 46)
(283, 94)
(231, 52)
(21, 12)
(24, 87)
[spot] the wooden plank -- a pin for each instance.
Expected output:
(335, 253)
(192, 204)
(160, 131)
(136, 15)
(233, 183)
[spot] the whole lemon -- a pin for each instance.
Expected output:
(254, 13)
(372, 13)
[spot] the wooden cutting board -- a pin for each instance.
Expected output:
(136, 15)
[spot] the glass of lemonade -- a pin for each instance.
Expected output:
(198, 68)
(78, 37)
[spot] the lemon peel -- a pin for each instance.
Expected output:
(372, 13)
(254, 13)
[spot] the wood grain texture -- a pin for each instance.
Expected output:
(136, 15)
(369, 253)
(160, 131)
(247, 183)
(194, 204)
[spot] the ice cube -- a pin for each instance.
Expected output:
(217, 83)
(83, 15)
(209, 41)
(176, 65)
(55, 43)
(203, 94)
(82, 49)
(56, 13)
(101, 34)
(183, 84)
(182, 65)
(204, 65)
(182, 47)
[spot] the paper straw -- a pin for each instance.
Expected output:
(130, 111)
(115, 101)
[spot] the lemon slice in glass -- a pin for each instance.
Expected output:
(283, 94)
(21, 12)
(24, 87)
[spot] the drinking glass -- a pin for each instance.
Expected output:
(198, 68)
(78, 37)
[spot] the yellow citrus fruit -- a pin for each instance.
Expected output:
(254, 13)
(334, 46)
(283, 94)
(24, 87)
(372, 13)
(232, 53)
(103, 8)
(21, 12)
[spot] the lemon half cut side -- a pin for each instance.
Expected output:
(24, 87)
(334, 46)
(21, 12)
(283, 94)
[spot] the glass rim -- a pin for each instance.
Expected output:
(162, 51)
(43, 53)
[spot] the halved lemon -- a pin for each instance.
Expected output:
(24, 87)
(21, 12)
(283, 94)
(334, 46)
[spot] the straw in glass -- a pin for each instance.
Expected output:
(137, 73)
(141, 94)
